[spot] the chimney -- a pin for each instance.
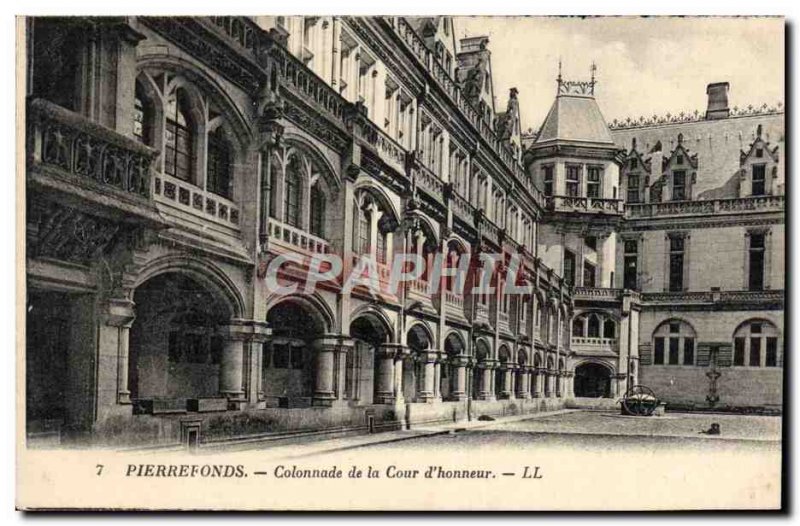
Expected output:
(717, 101)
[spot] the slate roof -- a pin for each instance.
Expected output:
(575, 118)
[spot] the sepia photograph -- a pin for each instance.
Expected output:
(413, 263)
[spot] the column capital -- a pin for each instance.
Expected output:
(389, 350)
(242, 329)
(120, 312)
(427, 356)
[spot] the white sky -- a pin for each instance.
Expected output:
(645, 66)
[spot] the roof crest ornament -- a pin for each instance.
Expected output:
(575, 87)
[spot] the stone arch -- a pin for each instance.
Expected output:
(454, 343)
(296, 141)
(593, 379)
(321, 314)
(177, 339)
(380, 195)
(202, 270)
(208, 85)
(420, 337)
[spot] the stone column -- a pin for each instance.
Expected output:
(399, 357)
(231, 376)
(508, 375)
(255, 385)
(385, 379)
(437, 378)
(459, 371)
(486, 392)
(427, 390)
(523, 391)
(559, 383)
(120, 314)
(548, 383)
(324, 374)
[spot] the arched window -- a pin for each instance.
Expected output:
(756, 344)
(593, 326)
(317, 220)
(220, 160)
(179, 138)
(577, 327)
(609, 329)
(363, 230)
(275, 176)
(674, 343)
(291, 193)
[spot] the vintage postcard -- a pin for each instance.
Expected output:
(401, 263)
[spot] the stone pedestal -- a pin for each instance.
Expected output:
(523, 388)
(385, 380)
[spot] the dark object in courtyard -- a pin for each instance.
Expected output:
(640, 400)
(713, 430)
(485, 418)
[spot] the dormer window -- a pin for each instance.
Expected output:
(634, 163)
(679, 185)
(633, 188)
(759, 179)
(759, 152)
(679, 159)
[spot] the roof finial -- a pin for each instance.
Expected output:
(593, 81)
(558, 78)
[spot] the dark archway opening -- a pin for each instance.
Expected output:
(592, 380)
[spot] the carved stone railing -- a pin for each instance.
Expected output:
(462, 209)
(599, 342)
(193, 199)
(747, 297)
(295, 238)
(387, 148)
(564, 203)
(240, 29)
(596, 294)
(429, 182)
(762, 203)
(489, 230)
(61, 139)
(298, 79)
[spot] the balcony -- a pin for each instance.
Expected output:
(597, 294)
(186, 197)
(763, 203)
(429, 182)
(93, 166)
(594, 346)
(294, 239)
(462, 209)
(587, 205)
(387, 149)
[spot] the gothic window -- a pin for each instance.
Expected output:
(547, 176)
(759, 179)
(633, 188)
(609, 329)
(588, 274)
(577, 327)
(317, 219)
(676, 262)
(573, 180)
(674, 343)
(756, 254)
(569, 267)
(756, 344)
(593, 179)
(220, 159)
(631, 264)
(678, 185)
(275, 175)
(380, 246)
(593, 326)
(364, 227)
(179, 138)
(291, 193)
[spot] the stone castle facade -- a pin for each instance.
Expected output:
(169, 160)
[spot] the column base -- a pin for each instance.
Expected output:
(124, 397)
(524, 396)
(426, 398)
(323, 400)
(457, 397)
(487, 397)
(384, 399)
